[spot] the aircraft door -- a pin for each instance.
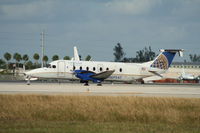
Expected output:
(61, 69)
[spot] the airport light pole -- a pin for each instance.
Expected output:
(42, 46)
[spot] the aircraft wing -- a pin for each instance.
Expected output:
(103, 75)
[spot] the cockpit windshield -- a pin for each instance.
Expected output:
(51, 66)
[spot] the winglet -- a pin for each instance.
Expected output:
(76, 55)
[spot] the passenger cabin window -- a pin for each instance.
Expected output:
(100, 69)
(80, 68)
(87, 68)
(54, 66)
(74, 68)
(120, 69)
(107, 68)
(94, 68)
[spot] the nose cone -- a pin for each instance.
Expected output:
(30, 73)
(34, 73)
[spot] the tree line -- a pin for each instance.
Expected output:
(194, 58)
(21, 60)
(24, 60)
(144, 55)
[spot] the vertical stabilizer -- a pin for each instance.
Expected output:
(165, 58)
(76, 55)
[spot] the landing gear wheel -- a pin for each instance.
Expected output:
(99, 84)
(86, 83)
(142, 81)
(28, 81)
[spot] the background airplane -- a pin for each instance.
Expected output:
(187, 76)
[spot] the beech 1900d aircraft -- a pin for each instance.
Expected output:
(98, 72)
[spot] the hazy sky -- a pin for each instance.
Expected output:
(96, 26)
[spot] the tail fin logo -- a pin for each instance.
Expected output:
(161, 62)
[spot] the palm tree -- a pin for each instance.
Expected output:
(55, 57)
(7, 56)
(88, 58)
(66, 58)
(2, 63)
(18, 58)
(45, 59)
(29, 64)
(36, 57)
(25, 58)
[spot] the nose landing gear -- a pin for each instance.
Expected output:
(28, 81)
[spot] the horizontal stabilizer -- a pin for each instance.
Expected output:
(103, 75)
(179, 51)
(156, 73)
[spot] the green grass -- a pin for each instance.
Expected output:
(98, 114)
(93, 127)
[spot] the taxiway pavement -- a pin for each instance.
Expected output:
(187, 91)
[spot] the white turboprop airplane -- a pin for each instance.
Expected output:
(187, 76)
(97, 71)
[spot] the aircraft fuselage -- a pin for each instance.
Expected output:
(63, 69)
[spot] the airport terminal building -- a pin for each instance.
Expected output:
(187, 65)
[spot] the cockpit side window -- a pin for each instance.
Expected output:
(53, 66)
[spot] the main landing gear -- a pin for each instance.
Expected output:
(99, 84)
(86, 83)
(141, 81)
(28, 81)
